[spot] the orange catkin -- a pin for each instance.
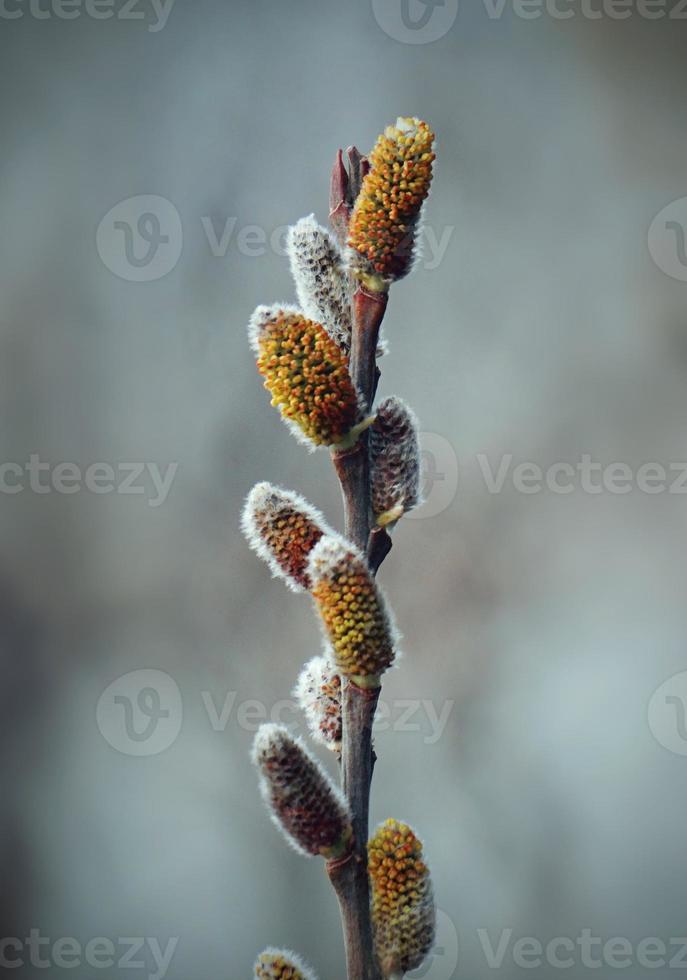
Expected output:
(282, 528)
(306, 373)
(386, 212)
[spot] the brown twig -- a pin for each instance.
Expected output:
(349, 877)
(353, 471)
(358, 707)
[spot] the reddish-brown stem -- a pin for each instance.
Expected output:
(349, 876)
(350, 879)
(368, 313)
(353, 471)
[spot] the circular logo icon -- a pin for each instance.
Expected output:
(668, 239)
(667, 714)
(415, 21)
(140, 239)
(442, 962)
(140, 713)
(438, 475)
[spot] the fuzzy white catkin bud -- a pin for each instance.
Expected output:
(281, 964)
(301, 798)
(321, 279)
(282, 528)
(394, 461)
(318, 692)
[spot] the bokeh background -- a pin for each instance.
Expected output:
(537, 626)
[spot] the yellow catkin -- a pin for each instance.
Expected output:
(403, 915)
(353, 611)
(306, 372)
(385, 214)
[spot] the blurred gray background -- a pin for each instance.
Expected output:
(537, 626)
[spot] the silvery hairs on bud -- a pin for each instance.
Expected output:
(282, 528)
(281, 964)
(321, 279)
(302, 799)
(318, 692)
(394, 461)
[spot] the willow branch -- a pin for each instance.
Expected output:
(349, 877)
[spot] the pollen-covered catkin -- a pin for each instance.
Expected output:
(318, 692)
(282, 528)
(281, 964)
(394, 461)
(301, 798)
(306, 373)
(383, 225)
(321, 279)
(403, 913)
(354, 614)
